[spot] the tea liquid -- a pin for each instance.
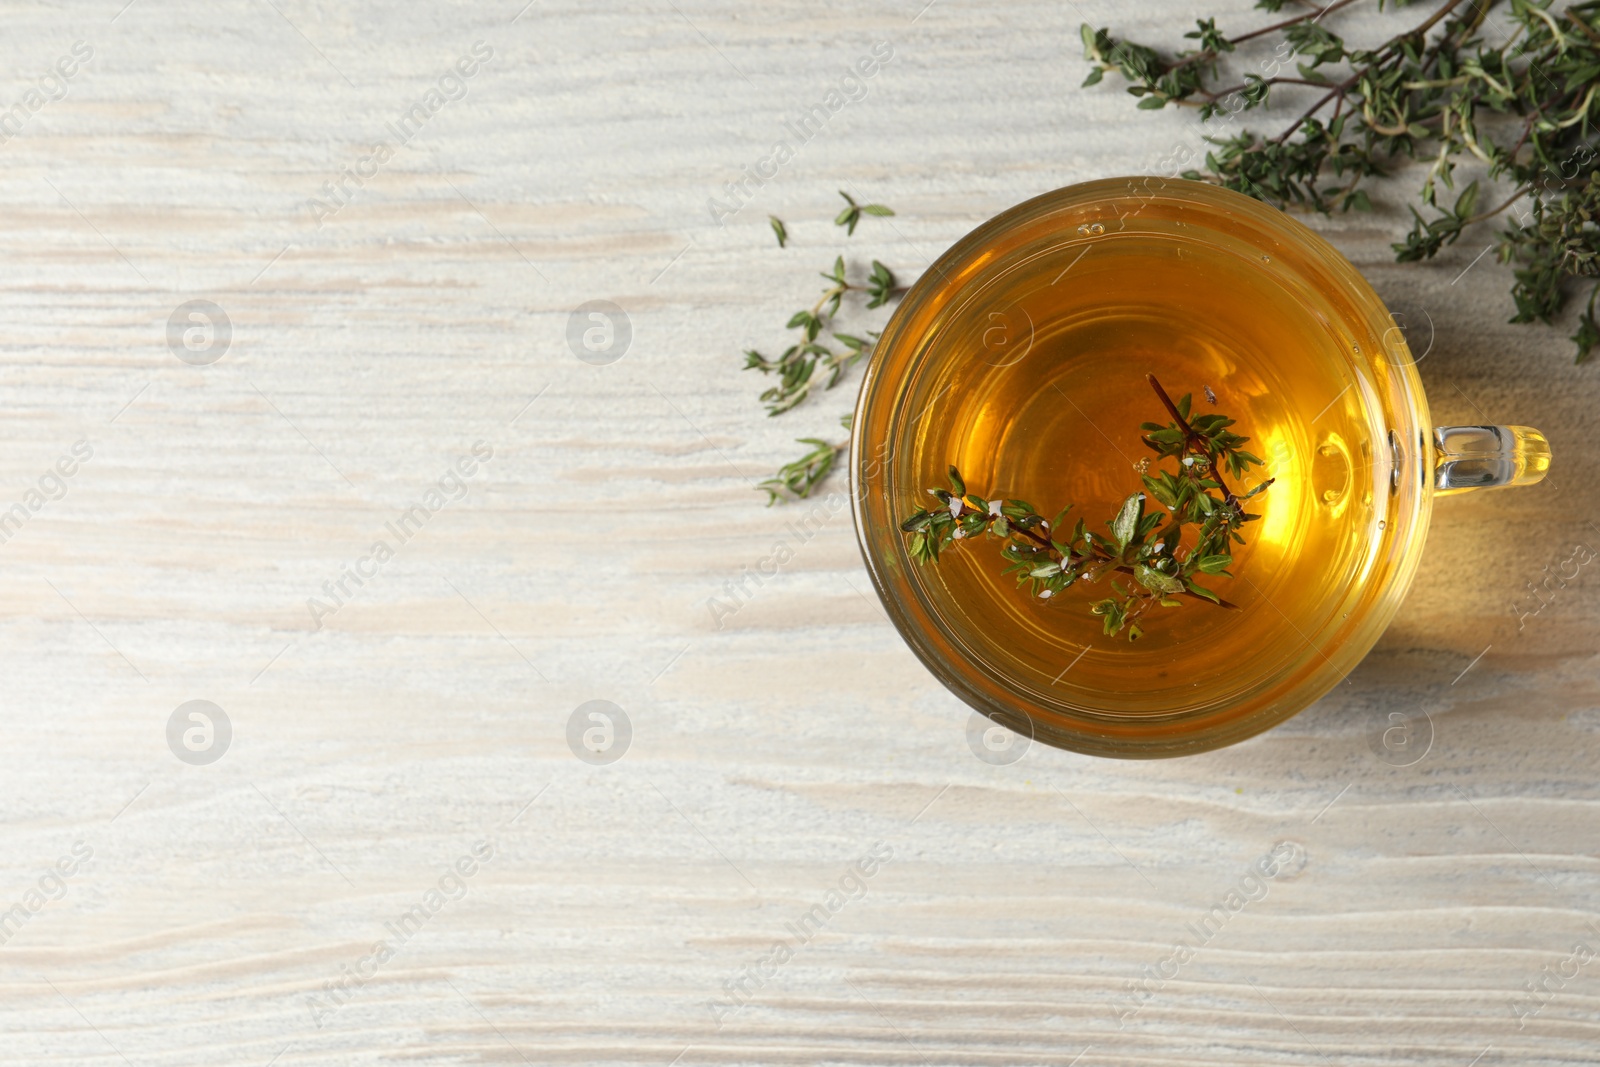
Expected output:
(1045, 404)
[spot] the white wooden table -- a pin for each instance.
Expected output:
(229, 912)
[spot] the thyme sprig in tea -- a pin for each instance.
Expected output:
(1143, 555)
(1522, 103)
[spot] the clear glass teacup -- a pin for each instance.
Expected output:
(1021, 358)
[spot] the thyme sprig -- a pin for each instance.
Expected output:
(797, 480)
(798, 366)
(1047, 557)
(1521, 106)
(850, 217)
(811, 360)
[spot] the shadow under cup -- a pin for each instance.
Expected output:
(1020, 357)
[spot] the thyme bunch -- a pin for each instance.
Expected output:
(1519, 104)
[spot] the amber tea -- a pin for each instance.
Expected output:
(1048, 408)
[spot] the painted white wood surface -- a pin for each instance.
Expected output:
(369, 352)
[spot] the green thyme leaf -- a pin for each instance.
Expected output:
(1155, 581)
(958, 486)
(1126, 523)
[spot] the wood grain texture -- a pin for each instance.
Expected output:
(369, 352)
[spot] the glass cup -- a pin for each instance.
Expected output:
(1102, 695)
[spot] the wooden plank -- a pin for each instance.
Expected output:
(629, 912)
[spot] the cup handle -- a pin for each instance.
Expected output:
(1487, 457)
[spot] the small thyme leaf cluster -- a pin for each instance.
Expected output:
(1144, 554)
(1522, 104)
(809, 360)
